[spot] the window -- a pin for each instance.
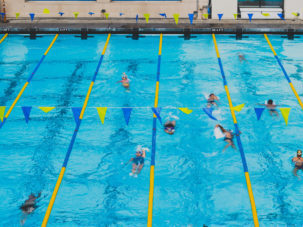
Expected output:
(260, 3)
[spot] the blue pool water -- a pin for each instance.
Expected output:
(195, 183)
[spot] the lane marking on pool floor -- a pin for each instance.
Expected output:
(284, 71)
(58, 183)
(153, 151)
(3, 38)
(248, 183)
(28, 81)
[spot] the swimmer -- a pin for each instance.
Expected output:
(28, 206)
(138, 162)
(271, 107)
(298, 162)
(229, 135)
(125, 81)
(211, 101)
(169, 127)
(241, 57)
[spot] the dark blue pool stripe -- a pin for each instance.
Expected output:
(153, 153)
(222, 71)
(283, 69)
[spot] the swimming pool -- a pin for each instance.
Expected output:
(195, 183)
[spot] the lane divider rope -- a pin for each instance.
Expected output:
(28, 81)
(248, 183)
(58, 183)
(153, 151)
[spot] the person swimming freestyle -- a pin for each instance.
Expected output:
(212, 100)
(138, 161)
(228, 137)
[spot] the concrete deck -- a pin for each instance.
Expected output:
(166, 26)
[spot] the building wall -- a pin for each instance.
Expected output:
(293, 6)
(227, 7)
(128, 8)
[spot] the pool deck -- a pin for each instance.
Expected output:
(155, 26)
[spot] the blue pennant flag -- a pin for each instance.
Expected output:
(191, 17)
(137, 17)
(163, 15)
(259, 112)
(76, 113)
(157, 113)
(32, 15)
(2, 15)
(26, 111)
(250, 15)
(91, 13)
(220, 15)
(61, 13)
(126, 112)
(121, 14)
(281, 16)
(209, 112)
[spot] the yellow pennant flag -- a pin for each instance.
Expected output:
(46, 109)
(285, 114)
(76, 14)
(238, 108)
(205, 15)
(17, 15)
(235, 16)
(102, 112)
(266, 14)
(106, 15)
(186, 110)
(176, 16)
(295, 14)
(2, 111)
(46, 11)
(146, 17)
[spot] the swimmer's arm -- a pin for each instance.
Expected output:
(143, 155)
(293, 159)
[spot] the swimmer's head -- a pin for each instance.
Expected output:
(212, 94)
(299, 153)
(270, 101)
(139, 153)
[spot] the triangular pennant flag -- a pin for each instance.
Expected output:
(61, 13)
(220, 15)
(281, 16)
(235, 16)
(209, 111)
(285, 114)
(186, 110)
(17, 15)
(205, 15)
(163, 15)
(76, 14)
(76, 113)
(137, 18)
(126, 112)
(157, 111)
(250, 15)
(259, 112)
(176, 17)
(2, 15)
(91, 13)
(2, 111)
(106, 15)
(26, 111)
(238, 108)
(102, 112)
(121, 14)
(46, 109)
(32, 15)
(146, 17)
(46, 11)
(266, 14)
(191, 18)
(295, 14)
